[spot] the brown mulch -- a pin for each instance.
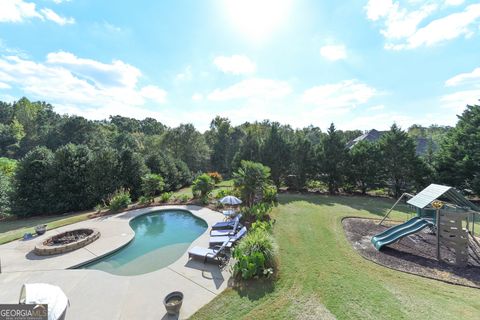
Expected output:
(415, 254)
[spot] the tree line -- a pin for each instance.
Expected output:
(55, 163)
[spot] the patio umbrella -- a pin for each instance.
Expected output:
(230, 200)
(43, 293)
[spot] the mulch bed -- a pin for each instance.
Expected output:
(415, 254)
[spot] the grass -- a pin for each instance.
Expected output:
(15, 229)
(321, 276)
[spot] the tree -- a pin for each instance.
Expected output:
(132, 169)
(458, 160)
(399, 161)
(72, 185)
(250, 147)
(150, 127)
(5, 192)
(251, 179)
(302, 161)
(203, 185)
(10, 137)
(189, 145)
(8, 166)
(364, 163)
(174, 171)
(104, 173)
(152, 184)
(332, 155)
(221, 145)
(276, 153)
(32, 184)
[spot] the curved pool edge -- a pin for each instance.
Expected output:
(136, 213)
(130, 215)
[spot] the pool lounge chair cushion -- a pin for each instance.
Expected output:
(231, 240)
(209, 254)
(227, 232)
(226, 224)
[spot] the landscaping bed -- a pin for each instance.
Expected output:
(414, 254)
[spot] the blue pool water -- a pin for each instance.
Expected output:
(161, 237)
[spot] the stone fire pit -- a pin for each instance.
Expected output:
(66, 242)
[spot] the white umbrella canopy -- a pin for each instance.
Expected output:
(43, 293)
(230, 200)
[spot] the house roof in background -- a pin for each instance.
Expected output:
(421, 144)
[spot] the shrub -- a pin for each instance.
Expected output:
(217, 177)
(98, 208)
(262, 225)
(270, 194)
(120, 200)
(317, 185)
(223, 193)
(152, 184)
(202, 186)
(255, 255)
(165, 197)
(183, 198)
(144, 200)
(258, 211)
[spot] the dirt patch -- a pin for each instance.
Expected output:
(414, 254)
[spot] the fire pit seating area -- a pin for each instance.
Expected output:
(66, 242)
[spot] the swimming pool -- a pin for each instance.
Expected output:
(161, 237)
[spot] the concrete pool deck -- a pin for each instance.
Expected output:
(96, 294)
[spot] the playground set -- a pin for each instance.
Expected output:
(446, 213)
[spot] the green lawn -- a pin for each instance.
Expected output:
(321, 275)
(15, 229)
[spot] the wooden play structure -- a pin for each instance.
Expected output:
(447, 213)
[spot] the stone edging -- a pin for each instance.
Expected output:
(44, 250)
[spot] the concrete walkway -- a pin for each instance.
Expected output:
(96, 294)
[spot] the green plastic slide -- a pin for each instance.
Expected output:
(395, 233)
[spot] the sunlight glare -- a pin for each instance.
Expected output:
(257, 19)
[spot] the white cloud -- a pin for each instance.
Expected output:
(236, 64)
(333, 52)
(464, 78)
(154, 93)
(377, 9)
(104, 75)
(376, 108)
(458, 100)
(454, 2)
(409, 28)
(185, 75)
(20, 10)
(17, 11)
(83, 86)
(53, 16)
(343, 95)
(467, 87)
(252, 88)
(197, 97)
(446, 28)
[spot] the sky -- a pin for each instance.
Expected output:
(361, 64)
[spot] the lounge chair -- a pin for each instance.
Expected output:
(216, 254)
(227, 231)
(224, 225)
(231, 240)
